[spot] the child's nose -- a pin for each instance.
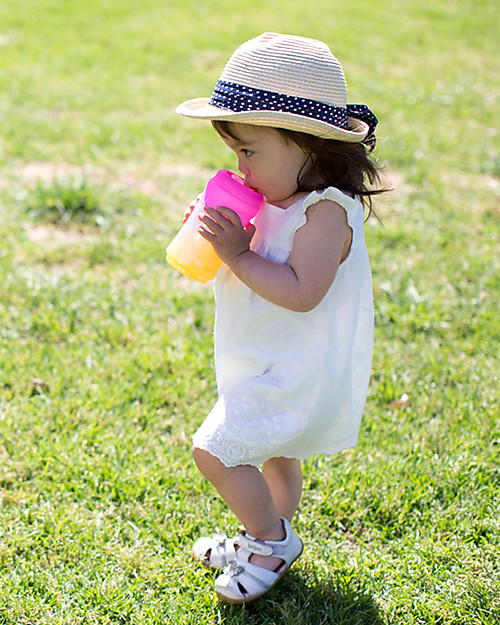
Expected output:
(243, 166)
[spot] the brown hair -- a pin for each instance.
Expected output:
(339, 164)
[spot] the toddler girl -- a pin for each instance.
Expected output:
(294, 322)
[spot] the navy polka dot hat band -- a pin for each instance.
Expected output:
(286, 81)
(238, 98)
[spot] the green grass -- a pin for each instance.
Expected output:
(99, 498)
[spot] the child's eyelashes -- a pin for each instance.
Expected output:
(246, 152)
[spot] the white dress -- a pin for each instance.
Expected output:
(291, 384)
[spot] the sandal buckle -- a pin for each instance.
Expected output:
(233, 569)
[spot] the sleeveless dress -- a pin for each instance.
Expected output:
(291, 384)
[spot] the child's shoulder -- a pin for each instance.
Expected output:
(333, 201)
(332, 194)
(326, 211)
(326, 220)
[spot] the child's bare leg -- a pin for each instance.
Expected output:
(284, 479)
(247, 494)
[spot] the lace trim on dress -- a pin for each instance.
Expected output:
(349, 204)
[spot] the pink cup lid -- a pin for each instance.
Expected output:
(228, 189)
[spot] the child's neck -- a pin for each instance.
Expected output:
(287, 202)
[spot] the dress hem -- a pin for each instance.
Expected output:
(256, 463)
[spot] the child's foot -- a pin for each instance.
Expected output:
(244, 580)
(266, 561)
(215, 552)
(218, 551)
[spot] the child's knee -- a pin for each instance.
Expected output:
(198, 455)
(205, 462)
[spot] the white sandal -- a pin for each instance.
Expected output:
(242, 581)
(215, 552)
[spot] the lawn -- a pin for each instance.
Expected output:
(106, 352)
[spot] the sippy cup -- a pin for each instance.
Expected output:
(189, 252)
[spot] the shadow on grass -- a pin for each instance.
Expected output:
(308, 598)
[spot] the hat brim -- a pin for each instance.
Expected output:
(199, 108)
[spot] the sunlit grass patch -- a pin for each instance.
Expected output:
(65, 202)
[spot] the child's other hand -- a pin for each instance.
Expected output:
(222, 228)
(188, 211)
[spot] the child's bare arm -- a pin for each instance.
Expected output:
(319, 248)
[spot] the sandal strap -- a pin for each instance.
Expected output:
(254, 545)
(276, 548)
(254, 576)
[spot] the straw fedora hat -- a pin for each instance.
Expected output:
(285, 81)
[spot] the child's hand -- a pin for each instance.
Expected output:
(222, 228)
(188, 211)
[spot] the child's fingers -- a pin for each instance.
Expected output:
(227, 213)
(188, 211)
(206, 234)
(250, 230)
(211, 223)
